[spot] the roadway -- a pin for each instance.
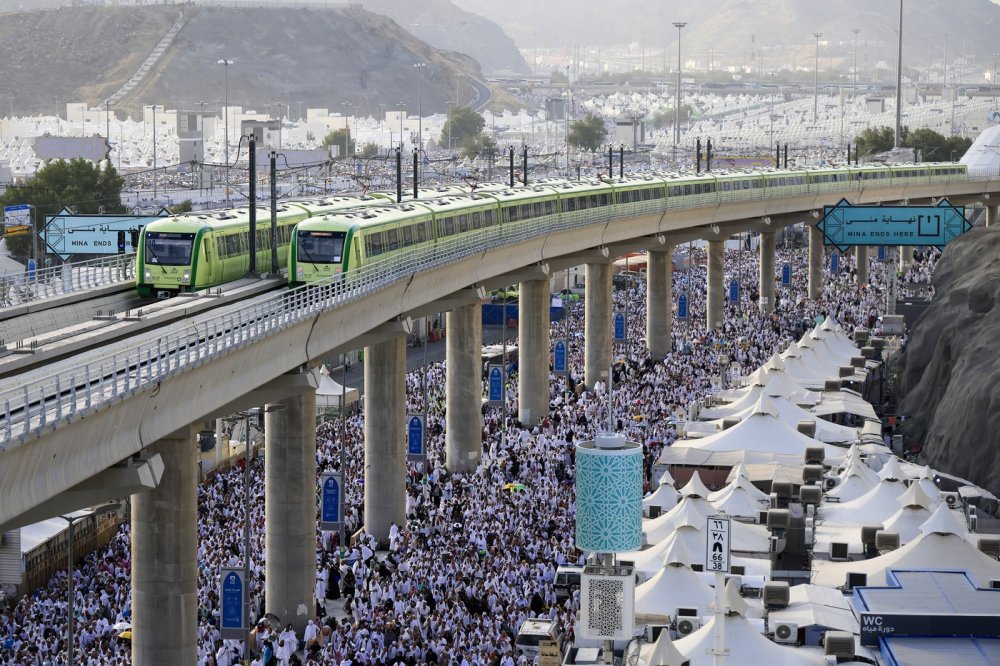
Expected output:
(484, 94)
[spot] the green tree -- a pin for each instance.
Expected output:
(369, 149)
(875, 140)
(934, 147)
(77, 183)
(183, 207)
(342, 139)
(587, 133)
(665, 117)
(480, 145)
(462, 123)
(558, 77)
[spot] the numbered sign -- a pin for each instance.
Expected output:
(734, 291)
(231, 591)
(331, 496)
(786, 274)
(717, 545)
(835, 262)
(560, 363)
(495, 385)
(619, 327)
(682, 306)
(415, 441)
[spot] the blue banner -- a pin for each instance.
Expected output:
(496, 385)
(559, 357)
(881, 252)
(845, 225)
(415, 450)
(66, 233)
(835, 262)
(231, 597)
(786, 274)
(32, 266)
(331, 498)
(619, 327)
(682, 306)
(734, 291)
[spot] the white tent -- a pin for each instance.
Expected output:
(942, 544)
(775, 381)
(856, 480)
(740, 498)
(331, 396)
(914, 511)
(694, 512)
(662, 652)
(674, 586)
(665, 496)
(874, 507)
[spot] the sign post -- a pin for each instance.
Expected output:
(734, 291)
(232, 591)
(717, 560)
(619, 327)
(835, 263)
(495, 385)
(560, 357)
(332, 498)
(786, 274)
(682, 306)
(415, 441)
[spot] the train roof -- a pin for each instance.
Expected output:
(221, 219)
(450, 203)
(521, 193)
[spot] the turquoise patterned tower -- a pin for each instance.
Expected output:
(609, 495)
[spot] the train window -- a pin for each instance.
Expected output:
(449, 226)
(391, 240)
(476, 220)
(490, 217)
(421, 231)
(675, 191)
(570, 204)
(746, 184)
(462, 223)
(626, 197)
(407, 236)
(550, 207)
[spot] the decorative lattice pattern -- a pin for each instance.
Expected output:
(605, 607)
(608, 501)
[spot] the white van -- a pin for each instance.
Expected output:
(567, 578)
(534, 631)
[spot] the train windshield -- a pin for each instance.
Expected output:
(168, 249)
(321, 247)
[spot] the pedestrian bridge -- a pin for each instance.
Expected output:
(82, 417)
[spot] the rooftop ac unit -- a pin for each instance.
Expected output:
(806, 427)
(830, 483)
(729, 422)
(775, 594)
(812, 474)
(831, 385)
(815, 455)
(858, 361)
(782, 488)
(786, 632)
(839, 551)
(886, 541)
(855, 579)
(778, 519)
(811, 495)
(973, 524)
(994, 584)
(838, 644)
(868, 534)
(688, 625)
(953, 500)
(845, 371)
(738, 570)
(990, 546)
(762, 517)
(868, 352)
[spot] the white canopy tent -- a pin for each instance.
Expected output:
(665, 496)
(674, 586)
(874, 507)
(331, 396)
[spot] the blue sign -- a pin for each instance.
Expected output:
(66, 233)
(682, 306)
(330, 494)
(559, 357)
(619, 327)
(231, 597)
(835, 262)
(32, 266)
(881, 252)
(415, 451)
(786, 274)
(496, 385)
(845, 225)
(734, 291)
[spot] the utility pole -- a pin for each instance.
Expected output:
(817, 35)
(898, 141)
(225, 62)
(854, 77)
(677, 101)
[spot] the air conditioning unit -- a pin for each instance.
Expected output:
(806, 427)
(953, 500)
(838, 644)
(607, 602)
(786, 632)
(653, 632)
(778, 519)
(783, 489)
(655, 511)
(815, 455)
(855, 579)
(886, 541)
(830, 483)
(738, 570)
(729, 422)
(810, 495)
(973, 524)
(688, 625)
(845, 371)
(829, 660)
(762, 517)
(994, 584)
(839, 551)
(775, 594)
(812, 474)
(831, 385)
(858, 361)
(990, 546)
(868, 534)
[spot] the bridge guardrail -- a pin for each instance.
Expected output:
(52, 281)
(111, 377)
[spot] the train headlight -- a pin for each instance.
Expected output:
(300, 271)
(148, 275)
(186, 278)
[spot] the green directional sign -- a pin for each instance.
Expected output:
(845, 225)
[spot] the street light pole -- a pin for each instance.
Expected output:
(817, 35)
(225, 62)
(898, 140)
(677, 100)
(420, 112)
(107, 126)
(154, 154)
(854, 79)
(566, 119)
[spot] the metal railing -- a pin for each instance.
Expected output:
(116, 376)
(52, 281)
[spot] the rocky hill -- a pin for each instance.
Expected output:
(321, 57)
(952, 364)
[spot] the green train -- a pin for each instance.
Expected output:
(327, 245)
(319, 238)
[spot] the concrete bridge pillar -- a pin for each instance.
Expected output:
(816, 255)
(597, 323)
(715, 287)
(165, 558)
(385, 451)
(861, 258)
(905, 257)
(290, 508)
(533, 352)
(659, 302)
(766, 278)
(464, 388)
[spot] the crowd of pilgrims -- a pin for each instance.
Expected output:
(477, 555)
